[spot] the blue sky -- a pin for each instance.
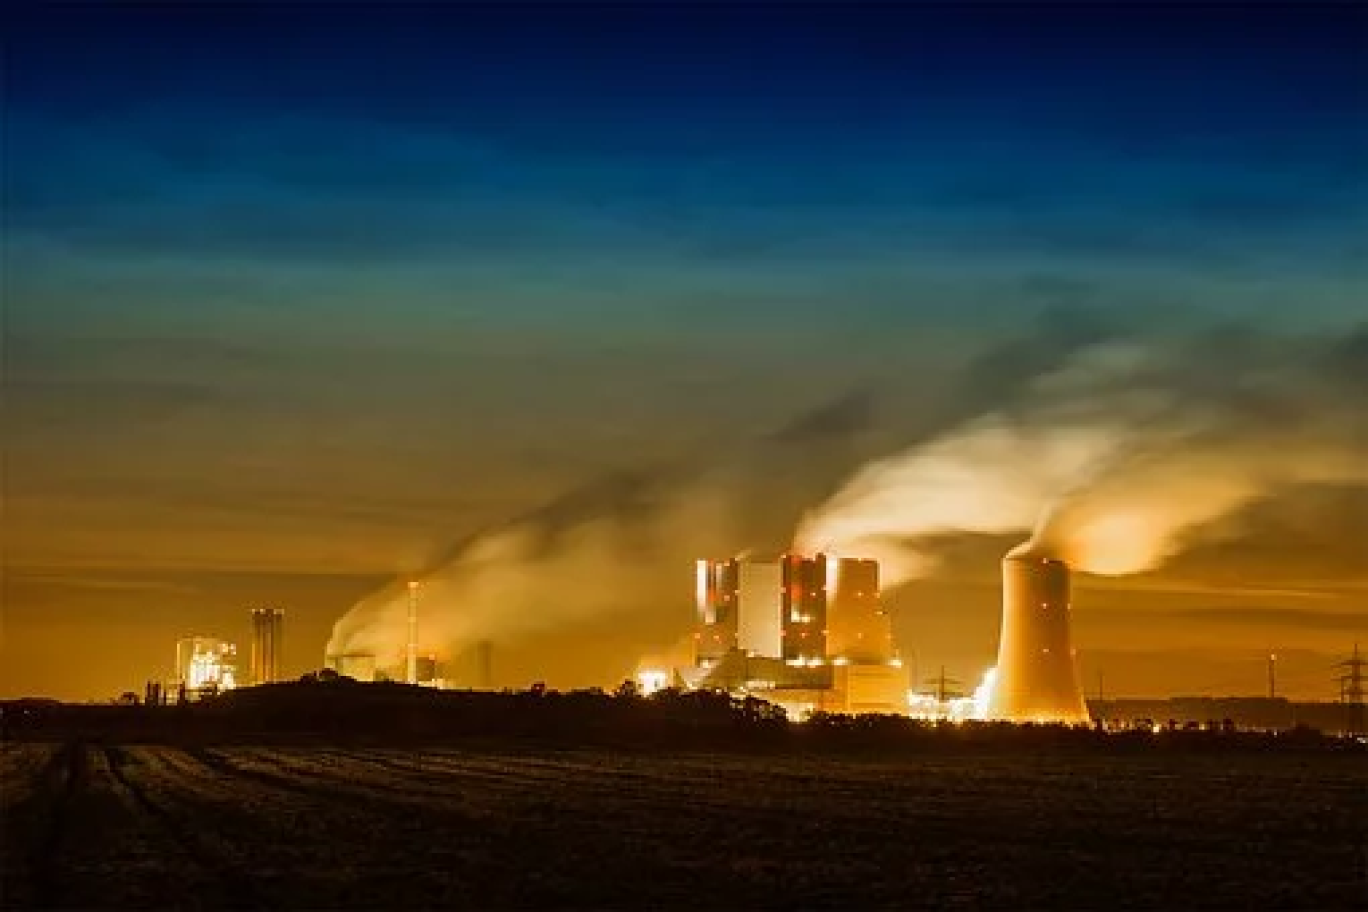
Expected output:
(737, 155)
(337, 259)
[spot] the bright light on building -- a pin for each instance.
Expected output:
(203, 663)
(809, 629)
(983, 694)
(953, 709)
(650, 681)
(702, 574)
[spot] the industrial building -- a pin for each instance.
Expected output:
(807, 633)
(811, 634)
(1036, 679)
(427, 671)
(205, 665)
(267, 630)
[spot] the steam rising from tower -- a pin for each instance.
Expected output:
(1131, 450)
(547, 568)
(1036, 679)
(1136, 452)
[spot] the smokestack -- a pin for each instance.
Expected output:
(411, 652)
(1036, 677)
(266, 644)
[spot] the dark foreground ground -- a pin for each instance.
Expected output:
(88, 827)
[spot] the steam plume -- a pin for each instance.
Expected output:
(614, 546)
(1116, 456)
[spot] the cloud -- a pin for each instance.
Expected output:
(1138, 445)
(1116, 455)
(37, 356)
(1254, 616)
(98, 581)
(1002, 373)
(1305, 535)
(36, 405)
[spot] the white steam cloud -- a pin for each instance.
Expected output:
(1113, 458)
(514, 582)
(627, 544)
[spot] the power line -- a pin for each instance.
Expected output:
(1351, 691)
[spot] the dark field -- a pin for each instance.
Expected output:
(99, 827)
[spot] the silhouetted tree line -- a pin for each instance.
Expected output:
(329, 709)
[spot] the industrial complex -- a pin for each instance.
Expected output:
(205, 665)
(807, 633)
(209, 665)
(810, 633)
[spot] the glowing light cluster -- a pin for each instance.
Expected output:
(955, 709)
(983, 694)
(651, 681)
(206, 664)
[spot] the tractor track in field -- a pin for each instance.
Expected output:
(232, 879)
(63, 776)
(319, 789)
(339, 798)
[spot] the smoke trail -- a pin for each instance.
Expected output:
(1113, 458)
(614, 546)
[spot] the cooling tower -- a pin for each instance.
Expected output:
(1036, 678)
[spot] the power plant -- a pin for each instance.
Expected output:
(208, 665)
(810, 634)
(807, 633)
(205, 665)
(1036, 680)
(414, 667)
(420, 670)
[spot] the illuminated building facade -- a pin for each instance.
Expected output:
(859, 630)
(761, 620)
(364, 666)
(805, 632)
(804, 610)
(267, 628)
(717, 596)
(205, 665)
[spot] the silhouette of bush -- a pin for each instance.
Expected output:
(336, 709)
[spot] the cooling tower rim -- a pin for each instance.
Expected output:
(1031, 552)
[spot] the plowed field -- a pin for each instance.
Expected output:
(91, 827)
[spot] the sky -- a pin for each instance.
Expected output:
(296, 302)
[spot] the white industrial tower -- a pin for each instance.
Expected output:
(1036, 677)
(411, 650)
